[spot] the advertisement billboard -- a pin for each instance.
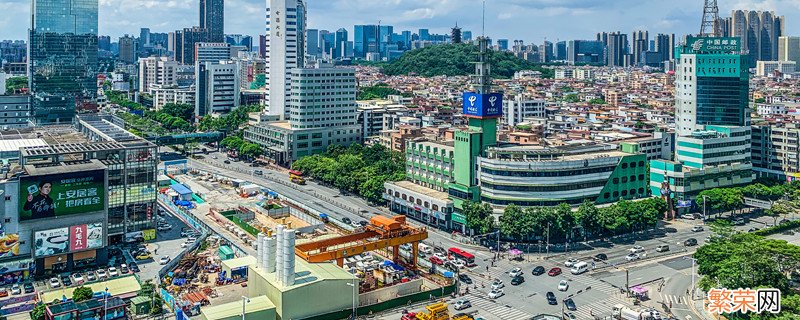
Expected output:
(86, 236)
(51, 242)
(476, 105)
(62, 194)
(9, 245)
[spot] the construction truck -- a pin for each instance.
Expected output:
(622, 312)
(296, 177)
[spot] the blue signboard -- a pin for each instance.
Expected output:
(478, 105)
(684, 203)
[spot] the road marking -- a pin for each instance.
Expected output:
(498, 309)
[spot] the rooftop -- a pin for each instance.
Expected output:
(408, 185)
(234, 309)
(306, 273)
(15, 144)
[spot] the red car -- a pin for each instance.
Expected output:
(436, 260)
(554, 272)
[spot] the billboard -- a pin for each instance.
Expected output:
(478, 105)
(51, 242)
(86, 236)
(9, 245)
(61, 194)
(706, 44)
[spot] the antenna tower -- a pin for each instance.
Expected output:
(709, 27)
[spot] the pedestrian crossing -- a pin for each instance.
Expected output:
(496, 309)
(595, 284)
(675, 300)
(599, 308)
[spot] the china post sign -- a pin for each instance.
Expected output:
(478, 105)
(705, 44)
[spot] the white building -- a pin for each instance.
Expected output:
(171, 94)
(284, 50)
(520, 107)
(584, 74)
(765, 68)
(764, 109)
(564, 73)
(156, 71)
(789, 49)
(211, 51)
(217, 89)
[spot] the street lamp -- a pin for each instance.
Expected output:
(105, 304)
(245, 300)
(704, 207)
(355, 307)
(693, 284)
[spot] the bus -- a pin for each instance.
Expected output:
(462, 255)
(296, 177)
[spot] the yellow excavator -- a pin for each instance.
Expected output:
(436, 311)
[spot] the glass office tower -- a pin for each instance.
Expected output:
(62, 58)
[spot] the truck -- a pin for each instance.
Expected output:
(296, 177)
(622, 312)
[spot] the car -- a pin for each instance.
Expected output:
(570, 304)
(143, 256)
(54, 283)
(3, 292)
(753, 229)
(539, 270)
(435, 260)
(498, 284)
(363, 223)
(346, 220)
(636, 249)
(227, 162)
(551, 298)
(90, 276)
(515, 272)
(690, 242)
(112, 272)
(571, 262)
(16, 289)
(688, 216)
(632, 256)
(187, 244)
(738, 221)
(662, 248)
(554, 272)
(102, 274)
(563, 285)
(465, 278)
(441, 256)
(164, 260)
(213, 156)
(496, 293)
(134, 267)
(164, 227)
(123, 269)
(187, 233)
(697, 228)
(600, 257)
(571, 316)
(517, 280)
(28, 287)
(458, 263)
(355, 224)
(462, 304)
(77, 278)
(405, 247)
(65, 280)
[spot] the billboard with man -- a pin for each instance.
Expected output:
(54, 195)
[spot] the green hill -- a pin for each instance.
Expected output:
(457, 60)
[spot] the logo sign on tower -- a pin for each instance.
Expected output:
(706, 44)
(477, 105)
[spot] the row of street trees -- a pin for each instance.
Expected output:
(561, 223)
(785, 197)
(245, 149)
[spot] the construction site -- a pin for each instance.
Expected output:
(274, 247)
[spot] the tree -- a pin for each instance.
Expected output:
(515, 223)
(250, 150)
(588, 217)
(15, 84)
(597, 101)
(378, 91)
(179, 110)
(478, 216)
(572, 98)
(82, 294)
(38, 311)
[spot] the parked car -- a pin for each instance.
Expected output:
(16, 289)
(102, 274)
(539, 270)
(123, 269)
(54, 283)
(143, 256)
(563, 285)
(600, 257)
(3, 292)
(517, 280)
(515, 272)
(134, 267)
(551, 298)
(465, 278)
(497, 284)
(90, 276)
(164, 260)
(28, 287)
(570, 304)
(753, 229)
(662, 248)
(66, 281)
(496, 293)
(554, 272)
(77, 278)
(690, 242)
(738, 221)
(571, 262)
(688, 216)
(363, 223)
(697, 228)
(112, 272)
(462, 304)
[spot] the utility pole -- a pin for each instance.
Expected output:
(704, 207)
(548, 239)
(627, 283)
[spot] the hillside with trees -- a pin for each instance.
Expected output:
(457, 60)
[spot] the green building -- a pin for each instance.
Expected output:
(430, 163)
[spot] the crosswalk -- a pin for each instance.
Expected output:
(595, 284)
(496, 309)
(598, 308)
(676, 300)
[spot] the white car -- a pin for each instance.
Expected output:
(496, 293)
(164, 227)
(688, 216)
(563, 285)
(515, 272)
(77, 278)
(441, 256)
(164, 260)
(101, 274)
(54, 283)
(636, 249)
(112, 272)
(458, 263)
(462, 304)
(16, 289)
(497, 284)
(571, 262)
(632, 257)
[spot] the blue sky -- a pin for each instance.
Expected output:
(529, 20)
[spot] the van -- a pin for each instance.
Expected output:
(424, 248)
(258, 172)
(579, 267)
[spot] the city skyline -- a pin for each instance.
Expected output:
(504, 17)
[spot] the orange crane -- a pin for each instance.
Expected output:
(382, 232)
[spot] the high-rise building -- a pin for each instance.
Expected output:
(211, 51)
(616, 44)
(585, 51)
(365, 39)
(759, 32)
(546, 52)
(62, 58)
(283, 50)
(144, 36)
(519, 107)
(502, 44)
(665, 46)
(424, 34)
(340, 46)
(212, 18)
(217, 88)
(156, 71)
(466, 36)
(185, 41)
(455, 34)
(239, 40)
(128, 49)
(640, 43)
(104, 43)
(561, 51)
(712, 120)
(789, 49)
(312, 43)
(262, 46)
